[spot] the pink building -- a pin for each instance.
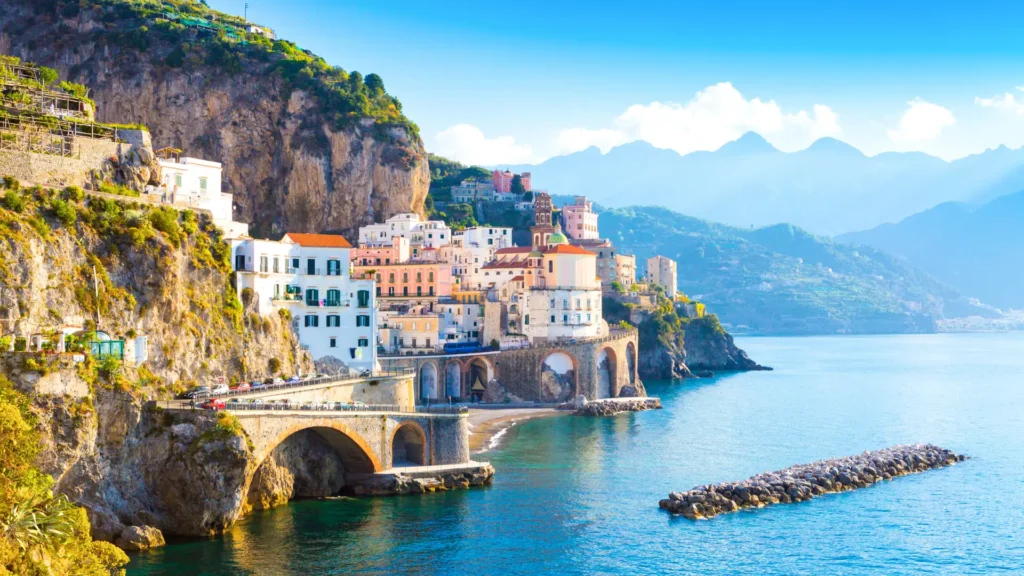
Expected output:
(580, 220)
(377, 255)
(503, 181)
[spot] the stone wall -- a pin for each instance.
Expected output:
(60, 171)
(396, 391)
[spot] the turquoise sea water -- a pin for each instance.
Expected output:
(580, 495)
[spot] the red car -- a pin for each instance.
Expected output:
(213, 404)
(243, 387)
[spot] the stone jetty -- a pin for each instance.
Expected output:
(806, 481)
(609, 406)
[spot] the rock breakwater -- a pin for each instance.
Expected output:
(398, 481)
(807, 481)
(609, 406)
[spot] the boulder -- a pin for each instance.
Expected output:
(140, 538)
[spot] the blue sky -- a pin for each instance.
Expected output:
(520, 82)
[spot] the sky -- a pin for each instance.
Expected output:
(520, 82)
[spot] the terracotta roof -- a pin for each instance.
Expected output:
(518, 278)
(318, 240)
(568, 249)
(493, 265)
(514, 250)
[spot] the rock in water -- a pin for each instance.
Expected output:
(140, 538)
(806, 481)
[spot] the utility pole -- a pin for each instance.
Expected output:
(246, 11)
(96, 293)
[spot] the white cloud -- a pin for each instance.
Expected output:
(467, 144)
(922, 121)
(714, 116)
(1008, 101)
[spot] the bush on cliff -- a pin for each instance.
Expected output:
(40, 533)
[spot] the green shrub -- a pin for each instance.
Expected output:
(48, 75)
(166, 220)
(274, 365)
(5, 343)
(13, 200)
(11, 183)
(73, 194)
(20, 344)
(65, 212)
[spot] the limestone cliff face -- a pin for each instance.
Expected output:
(303, 466)
(287, 165)
(707, 347)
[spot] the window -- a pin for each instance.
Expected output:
(413, 325)
(405, 276)
(378, 261)
(565, 318)
(413, 342)
(263, 263)
(551, 266)
(428, 326)
(275, 265)
(333, 321)
(362, 321)
(490, 241)
(364, 342)
(431, 291)
(428, 342)
(391, 290)
(333, 298)
(430, 276)
(277, 291)
(239, 262)
(364, 297)
(405, 290)
(333, 268)
(391, 277)
(378, 291)
(312, 321)
(202, 183)
(577, 303)
(419, 276)
(588, 317)
(526, 320)
(419, 290)
(310, 265)
(334, 342)
(312, 297)
(177, 180)
(295, 263)
(565, 303)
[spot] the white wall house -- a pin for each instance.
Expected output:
(421, 234)
(662, 271)
(197, 183)
(459, 322)
(308, 274)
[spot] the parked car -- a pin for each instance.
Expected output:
(213, 404)
(358, 404)
(220, 389)
(189, 394)
(294, 379)
(243, 387)
(278, 381)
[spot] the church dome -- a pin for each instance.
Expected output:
(557, 238)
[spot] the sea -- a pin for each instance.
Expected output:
(579, 495)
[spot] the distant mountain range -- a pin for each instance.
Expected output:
(783, 280)
(829, 188)
(979, 250)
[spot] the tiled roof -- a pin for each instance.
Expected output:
(318, 240)
(514, 250)
(493, 265)
(568, 249)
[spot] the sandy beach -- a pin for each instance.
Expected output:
(486, 425)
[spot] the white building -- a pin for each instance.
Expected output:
(580, 220)
(460, 322)
(471, 250)
(308, 274)
(191, 182)
(662, 271)
(432, 233)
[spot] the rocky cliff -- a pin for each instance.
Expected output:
(305, 146)
(132, 272)
(674, 346)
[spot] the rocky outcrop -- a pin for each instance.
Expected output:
(395, 483)
(806, 481)
(140, 538)
(708, 347)
(290, 163)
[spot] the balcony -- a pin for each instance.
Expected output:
(287, 297)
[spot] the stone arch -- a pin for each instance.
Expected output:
(631, 362)
(408, 445)
(428, 381)
(313, 459)
(558, 373)
(453, 378)
(477, 368)
(607, 374)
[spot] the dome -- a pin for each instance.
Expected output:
(557, 237)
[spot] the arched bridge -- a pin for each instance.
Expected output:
(367, 442)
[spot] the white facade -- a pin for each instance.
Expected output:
(560, 314)
(471, 191)
(432, 233)
(491, 236)
(308, 274)
(197, 183)
(579, 220)
(662, 271)
(459, 322)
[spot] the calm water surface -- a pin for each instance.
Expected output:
(580, 495)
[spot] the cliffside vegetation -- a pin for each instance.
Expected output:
(40, 533)
(202, 36)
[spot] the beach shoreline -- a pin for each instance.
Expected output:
(487, 426)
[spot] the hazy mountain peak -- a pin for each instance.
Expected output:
(749, 143)
(833, 146)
